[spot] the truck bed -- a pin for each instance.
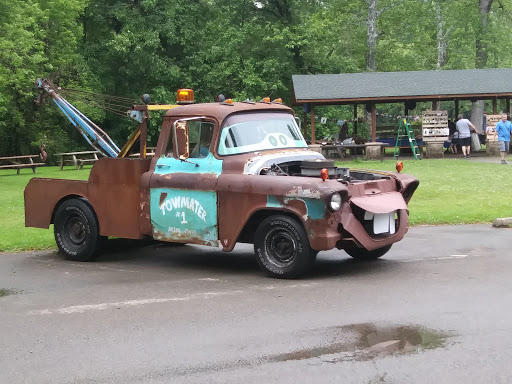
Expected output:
(113, 188)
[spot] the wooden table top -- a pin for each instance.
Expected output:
(18, 157)
(76, 153)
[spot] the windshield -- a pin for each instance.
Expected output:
(259, 131)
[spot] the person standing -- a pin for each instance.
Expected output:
(503, 129)
(454, 142)
(464, 127)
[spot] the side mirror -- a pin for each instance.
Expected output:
(299, 122)
(181, 144)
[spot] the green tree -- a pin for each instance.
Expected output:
(21, 55)
(37, 39)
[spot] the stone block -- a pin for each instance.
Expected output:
(315, 147)
(505, 222)
(492, 148)
(373, 152)
(435, 150)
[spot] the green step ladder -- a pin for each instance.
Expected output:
(405, 130)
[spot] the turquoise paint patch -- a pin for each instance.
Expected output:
(272, 202)
(184, 215)
(315, 207)
(208, 164)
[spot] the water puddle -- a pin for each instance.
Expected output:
(356, 342)
(368, 341)
(7, 292)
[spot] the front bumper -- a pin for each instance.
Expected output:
(352, 224)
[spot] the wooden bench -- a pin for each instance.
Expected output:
(78, 159)
(404, 144)
(19, 162)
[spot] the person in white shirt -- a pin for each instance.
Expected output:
(464, 127)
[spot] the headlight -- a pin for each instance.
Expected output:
(335, 202)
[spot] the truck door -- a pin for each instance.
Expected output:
(183, 193)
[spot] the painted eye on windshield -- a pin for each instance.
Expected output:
(283, 140)
(272, 140)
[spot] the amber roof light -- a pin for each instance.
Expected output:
(185, 96)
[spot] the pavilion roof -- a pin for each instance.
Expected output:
(389, 87)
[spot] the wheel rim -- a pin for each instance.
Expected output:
(281, 247)
(75, 230)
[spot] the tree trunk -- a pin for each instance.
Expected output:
(477, 110)
(481, 45)
(371, 44)
(441, 37)
(371, 36)
(477, 115)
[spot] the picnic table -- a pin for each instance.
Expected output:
(78, 159)
(150, 152)
(352, 149)
(19, 162)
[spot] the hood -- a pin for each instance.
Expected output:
(254, 164)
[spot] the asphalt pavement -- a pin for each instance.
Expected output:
(435, 309)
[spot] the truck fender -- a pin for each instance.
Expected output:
(248, 229)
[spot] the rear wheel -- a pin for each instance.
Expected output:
(363, 254)
(282, 247)
(76, 230)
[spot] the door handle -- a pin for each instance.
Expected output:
(163, 166)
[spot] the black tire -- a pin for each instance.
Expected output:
(363, 254)
(76, 230)
(282, 247)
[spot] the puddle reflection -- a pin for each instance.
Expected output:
(370, 341)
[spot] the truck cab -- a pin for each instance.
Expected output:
(224, 173)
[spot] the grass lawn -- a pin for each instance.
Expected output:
(13, 234)
(451, 191)
(454, 191)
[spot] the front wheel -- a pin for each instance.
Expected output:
(76, 230)
(282, 247)
(363, 254)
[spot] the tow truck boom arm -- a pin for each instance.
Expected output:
(93, 134)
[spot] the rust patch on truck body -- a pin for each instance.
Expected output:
(113, 190)
(241, 196)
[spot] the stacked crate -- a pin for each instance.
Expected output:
(435, 132)
(435, 126)
(490, 125)
(491, 143)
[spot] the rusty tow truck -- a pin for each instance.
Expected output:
(223, 173)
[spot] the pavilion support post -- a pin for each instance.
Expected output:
(456, 110)
(507, 105)
(314, 146)
(305, 129)
(494, 106)
(313, 139)
(143, 138)
(355, 120)
(374, 124)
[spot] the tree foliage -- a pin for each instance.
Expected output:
(241, 48)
